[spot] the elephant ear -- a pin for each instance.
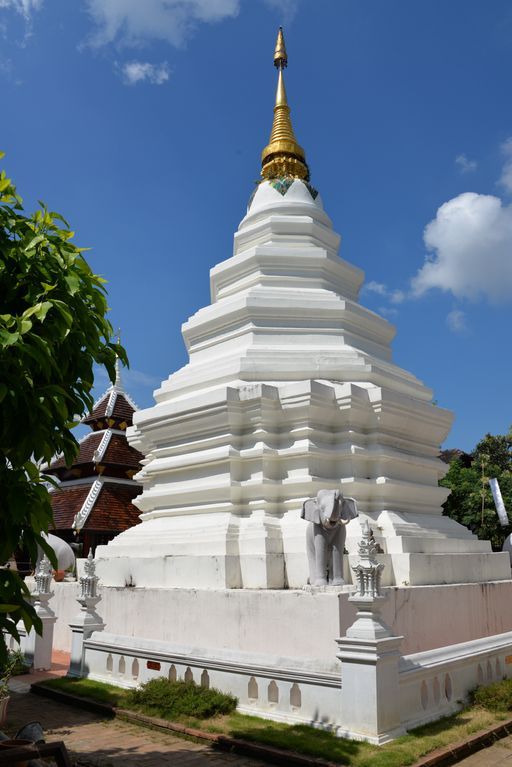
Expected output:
(310, 511)
(349, 509)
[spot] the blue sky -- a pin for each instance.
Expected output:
(143, 123)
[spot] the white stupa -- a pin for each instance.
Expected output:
(290, 388)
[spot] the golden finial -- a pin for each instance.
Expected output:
(282, 156)
(280, 57)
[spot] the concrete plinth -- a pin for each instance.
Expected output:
(37, 648)
(249, 620)
(370, 696)
(82, 627)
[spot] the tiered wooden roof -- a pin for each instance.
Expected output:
(95, 493)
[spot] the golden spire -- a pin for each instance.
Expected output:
(282, 156)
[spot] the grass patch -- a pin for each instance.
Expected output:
(88, 688)
(302, 739)
(403, 751)
(171, 700)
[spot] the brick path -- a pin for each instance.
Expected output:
(113, 743)
(498, 755)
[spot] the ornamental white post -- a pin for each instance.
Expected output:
(369, 655)
(38, 648)
(87, 620)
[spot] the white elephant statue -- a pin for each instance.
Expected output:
(327, 514)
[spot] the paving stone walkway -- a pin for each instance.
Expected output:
(111, 743)
(498, 755)
(95, 742)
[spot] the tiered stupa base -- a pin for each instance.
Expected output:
(290, 388)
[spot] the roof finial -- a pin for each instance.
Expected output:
(118, 382)
(282, 156)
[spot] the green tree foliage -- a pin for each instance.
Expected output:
(53, 330)
(492, 457)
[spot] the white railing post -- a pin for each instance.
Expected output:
(87, 620)
(369, 655)
(37, 648)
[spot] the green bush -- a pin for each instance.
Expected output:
(14, 665)
(174, 699)
(494, 697)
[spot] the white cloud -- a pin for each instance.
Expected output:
(24, 7)
(376, 287)
(387, 311)
(470, 246)
(130, 377)
(286, 8)
(456, 321)
(465, 165)
(506, 174)
(139, 378)
(133, 72)
(134, 22)
(395, 296)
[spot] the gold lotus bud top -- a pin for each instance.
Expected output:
(282, 156)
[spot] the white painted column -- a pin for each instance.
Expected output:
(369, 654)
(87, 620)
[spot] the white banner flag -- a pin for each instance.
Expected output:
(498, 502)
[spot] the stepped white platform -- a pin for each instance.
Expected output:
(290, 388)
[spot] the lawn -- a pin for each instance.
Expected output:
(303, 739)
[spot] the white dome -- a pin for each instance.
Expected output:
(63, 551)
(298, 195)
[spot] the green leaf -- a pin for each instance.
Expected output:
(73, 283)
(40, 310)
(32, 471)
(62, 308)
(34, 241)
(8, 339)
(8, 608)
(24, 326)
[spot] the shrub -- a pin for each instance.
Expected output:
(174, 699)
(494, 697)
(14, 665)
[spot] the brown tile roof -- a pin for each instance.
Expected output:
(66, 503)
(122, 409)
(87, 447)
(112, 511)
(120, 453)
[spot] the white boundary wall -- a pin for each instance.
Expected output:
(276, 650)
(432, 684)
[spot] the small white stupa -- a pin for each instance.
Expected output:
(290, 388)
